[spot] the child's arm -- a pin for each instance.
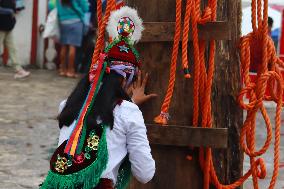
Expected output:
(142, 163)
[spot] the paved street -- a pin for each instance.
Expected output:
(268, 156)
(28, 129)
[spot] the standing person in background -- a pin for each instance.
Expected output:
(270, 25)
(71, 17)
(7, 23)
(84, 53)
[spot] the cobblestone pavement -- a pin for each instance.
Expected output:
(28, 129)
(268, 156)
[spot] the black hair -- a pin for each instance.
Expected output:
(109, 95)
(270, 21)
(66, 2)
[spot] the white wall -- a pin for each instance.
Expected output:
(22, 33)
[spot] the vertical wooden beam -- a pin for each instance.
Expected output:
(173, 170)
(34, 33)
(226, 86)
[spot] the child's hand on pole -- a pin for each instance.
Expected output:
(138, 90)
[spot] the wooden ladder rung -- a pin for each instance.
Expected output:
(183, 136)
(164, 31)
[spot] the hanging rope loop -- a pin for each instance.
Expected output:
(256, 49)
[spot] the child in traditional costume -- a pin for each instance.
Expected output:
(103, 136)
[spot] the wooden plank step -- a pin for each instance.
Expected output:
(183, 136)
(164, 31)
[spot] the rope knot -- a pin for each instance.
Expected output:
(248, 91)
(260, 168)
(162, 118)
(206, 17)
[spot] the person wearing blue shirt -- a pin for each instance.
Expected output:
(71, 23)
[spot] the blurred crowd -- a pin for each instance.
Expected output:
(77, 23)
(77, 26)
(77, 31)
(8, 10)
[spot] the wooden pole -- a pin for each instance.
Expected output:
(174, 171)
(226, 86)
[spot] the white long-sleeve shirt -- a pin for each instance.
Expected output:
(128, 136)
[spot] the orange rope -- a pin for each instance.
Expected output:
(185, 39)
(102, 22)
(196, 56)
(257, 93)
(163, 117)
(255, 47)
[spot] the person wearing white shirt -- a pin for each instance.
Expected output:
(103, 137)
(127, 137)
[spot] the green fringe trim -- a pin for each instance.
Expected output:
(87, 178)
(124, 174)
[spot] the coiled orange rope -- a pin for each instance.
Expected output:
(255, 48)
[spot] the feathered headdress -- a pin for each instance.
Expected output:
(125, 28)
(125, 22)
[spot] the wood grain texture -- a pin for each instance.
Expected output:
(173, 170)
(164, 31)
(182, 136)
(226, 86)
